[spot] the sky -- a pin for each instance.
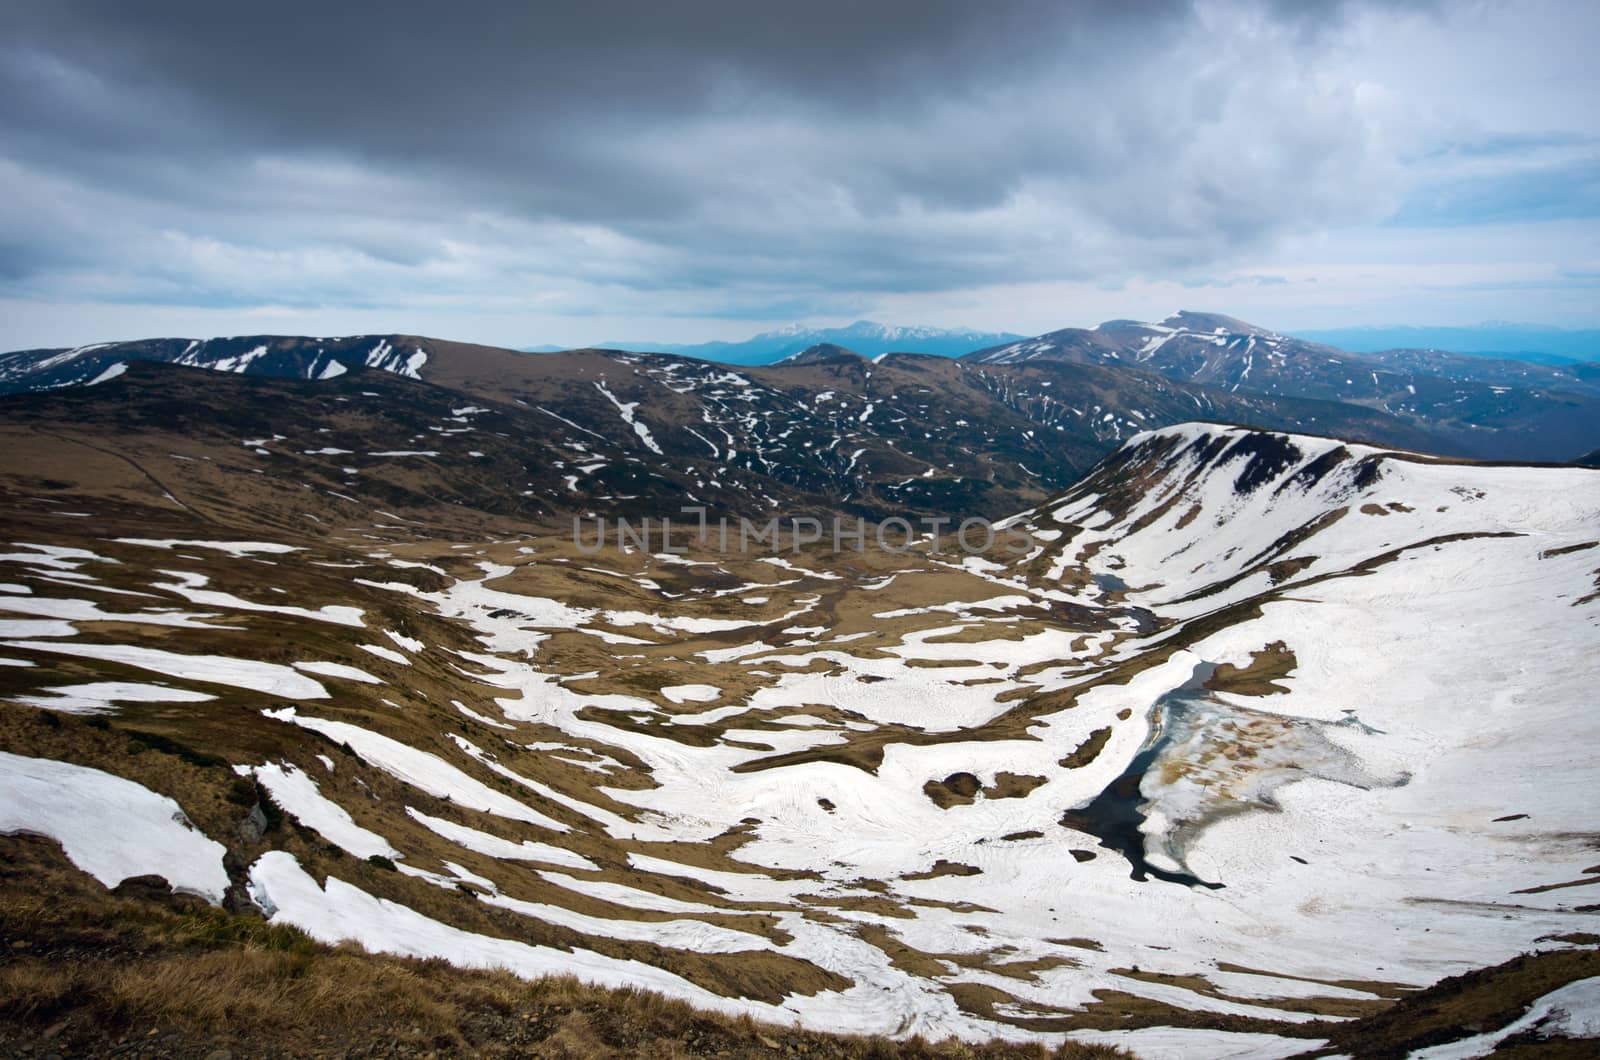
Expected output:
(568, 173)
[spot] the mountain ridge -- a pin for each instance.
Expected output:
(503, 433)
(1491, 409)
(867, 337)
(1541, 344)
(1536, 412)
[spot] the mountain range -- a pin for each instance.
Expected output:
(1490, 408)
(1528, 342)
(402, 422)
(1517, 343)
(1032, 413)
(505, 666)
(864, 336)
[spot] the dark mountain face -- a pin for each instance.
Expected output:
(822, 353)
(1499, 371)
(276, 356)
(399, 422)
(1488, 408)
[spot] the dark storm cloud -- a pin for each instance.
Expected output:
(539, 101)
(304, 153)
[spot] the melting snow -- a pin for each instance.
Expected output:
(691, 693)
(268, 678)
(625, 409)
(419, 769)
(298, 794)
(100, 697)
(333, 669)
(235, 549)
(109, 827)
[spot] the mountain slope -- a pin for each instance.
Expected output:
(821, 353)
(500, 432)
(1572, 377)
(1483, 407)
(275, 356)
(903, 792)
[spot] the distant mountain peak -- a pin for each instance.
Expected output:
(1216, 323)
(868, 338)
(1124, 340)
(823, 353)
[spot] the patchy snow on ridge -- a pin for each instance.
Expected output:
(109, 827)
(298, 794)
(268, 678)
(420, 769)
(625, 410)
(102, 697)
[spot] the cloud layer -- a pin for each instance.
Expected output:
(724, 160)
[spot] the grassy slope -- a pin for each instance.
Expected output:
(122, 967)
(142, 972)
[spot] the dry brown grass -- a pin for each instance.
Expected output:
(1258, 677)
(339, 999)
(1462, 1005)
(1088, 750)
(87, 971)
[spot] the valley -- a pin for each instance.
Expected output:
(1245, 697)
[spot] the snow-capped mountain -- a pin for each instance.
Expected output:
(1487, 408)
(272, 356)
